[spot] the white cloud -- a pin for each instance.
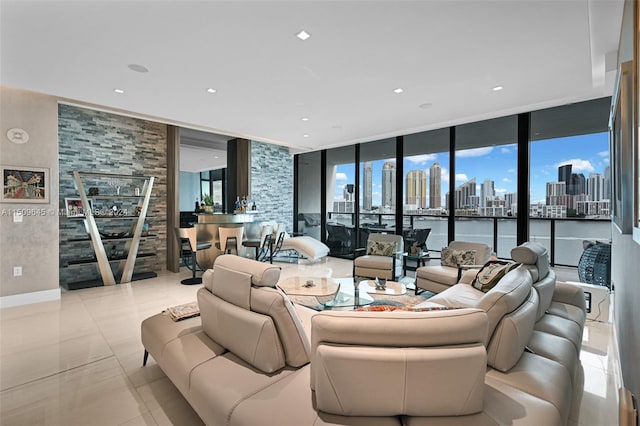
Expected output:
(501, 191)
(603, 153)
(506, 179)
(444, 175)
(505, 150)
(475, 152)
(341, 176)
(511, 170)
(578, 165)
(422, 158)
(461, 177)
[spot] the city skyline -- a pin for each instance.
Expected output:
(585, 153)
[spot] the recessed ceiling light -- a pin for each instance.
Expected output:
(426, 105)
(211, 90)
(305, 136)
(118, 91)
(138, 68)
(303, 35)
(398, 90)
(305, 119)
(497, 88)
(216, 157)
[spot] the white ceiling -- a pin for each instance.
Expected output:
(449, 54)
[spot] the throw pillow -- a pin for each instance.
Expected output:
(379, 248)
(491, 273)
(454, 258)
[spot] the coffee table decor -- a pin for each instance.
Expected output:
(381, 286)
(322, 289)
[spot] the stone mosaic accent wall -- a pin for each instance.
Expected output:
(94, 141)
(272, 183)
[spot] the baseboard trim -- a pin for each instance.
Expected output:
(29, 298)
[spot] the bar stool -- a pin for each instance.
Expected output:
(188, 241)
(230, 239)
(260, 245)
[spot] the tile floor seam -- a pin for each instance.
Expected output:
(57, 373)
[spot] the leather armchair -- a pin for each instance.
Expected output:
(378, 266)
(437, 277)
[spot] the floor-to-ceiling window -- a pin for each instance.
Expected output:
(377, 192)
(308, 194)
(426, 181)
(484, 173)
(486, 181)
(340, 175)
(570, 178)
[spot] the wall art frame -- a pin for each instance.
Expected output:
(74, 207)
(25, 184)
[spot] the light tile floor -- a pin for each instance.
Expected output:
(78, 361)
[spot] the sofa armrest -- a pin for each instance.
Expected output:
(359, 252)
(570, 294)
(468, 275)
(464, 268)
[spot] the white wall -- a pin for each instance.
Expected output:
(33, 243)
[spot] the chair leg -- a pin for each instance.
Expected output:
(145, 358)
(193, 280)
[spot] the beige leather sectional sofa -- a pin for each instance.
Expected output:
(253, 358)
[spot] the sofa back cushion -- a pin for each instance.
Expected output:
(483, 251)
(512, 335)
(399, 363)
(510, 292)
(242, 311)
(249, 335)
(536, 258)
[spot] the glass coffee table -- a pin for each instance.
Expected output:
(322, 293)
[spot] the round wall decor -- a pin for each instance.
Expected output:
(17, 135)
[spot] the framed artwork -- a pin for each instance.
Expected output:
(25, 184)
(75, 208)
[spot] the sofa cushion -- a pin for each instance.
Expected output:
(250, 335)
(510, 292)
(374, 262)
(512, 335)
(232, 286)
(262, 274)
(532, 253)
(438, 273)
(295, 340)
(454, 258)
(410, 359)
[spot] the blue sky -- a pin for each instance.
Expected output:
(587, 153)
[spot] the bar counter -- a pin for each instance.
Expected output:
(208, 224)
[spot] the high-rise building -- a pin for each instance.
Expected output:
(595, 187)
(416, 187)
(578, 184)
(607, 183)
(564, 174)
(487, 192)
(389, 184)
(435, 185)
(348, 192)
(555, 189)
(367, 185)
(466, 197)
